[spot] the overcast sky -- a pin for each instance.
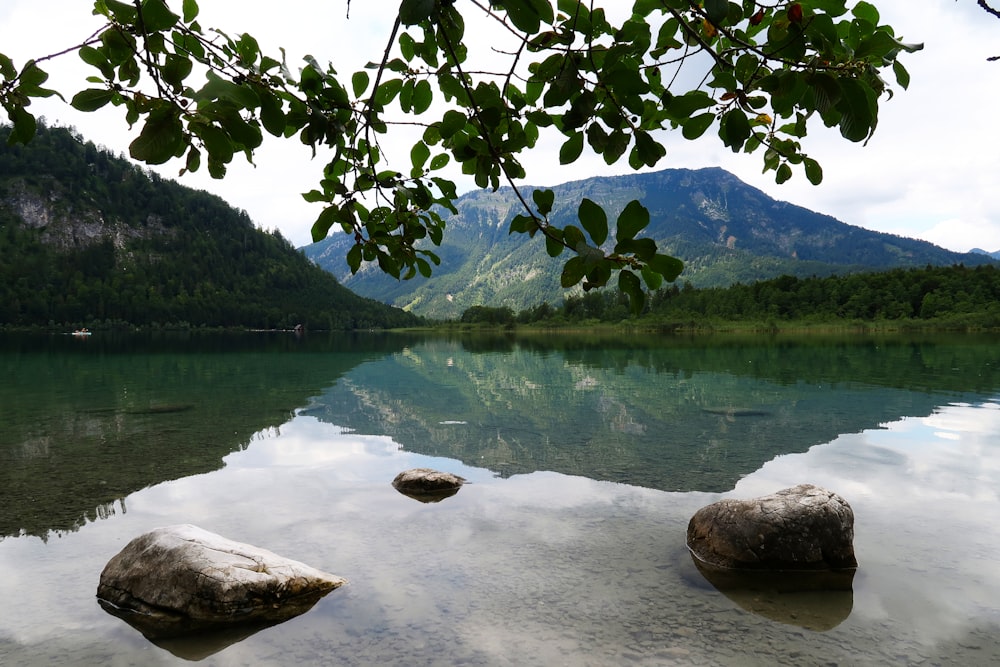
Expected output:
(929, 172)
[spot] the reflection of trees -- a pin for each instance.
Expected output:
(89, 424)
(689, 414)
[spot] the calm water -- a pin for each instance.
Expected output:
(586, 460)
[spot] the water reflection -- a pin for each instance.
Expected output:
(817, 601)
(84, 426)
(925, 495)
(552, 554)
(544, 568)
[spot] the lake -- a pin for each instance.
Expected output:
(585, 457)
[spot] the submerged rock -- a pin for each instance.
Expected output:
(427, 485)
(802, 528)
(181, 579)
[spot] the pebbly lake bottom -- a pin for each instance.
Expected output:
(546, 568)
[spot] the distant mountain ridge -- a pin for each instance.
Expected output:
(724, 230)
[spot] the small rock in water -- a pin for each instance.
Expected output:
(427, 485)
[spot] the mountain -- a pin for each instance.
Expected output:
(980, 251)
(724, 230)
(89, 239)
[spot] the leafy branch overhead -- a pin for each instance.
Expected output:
(620, 84)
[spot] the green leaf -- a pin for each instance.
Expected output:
(680, 107)
(246, 135)
(574, 238)
(190, 9)
(553, 247)
(387, 91)
(8, 70)
(439, 161)
(599, 273)
(218, 144)
(161, 137)
(880, 45)
(528, 15)
(24, 128)
(616, 145)
(594, 220)
(814, 172)
(175, 70)
(571, 149)
(156, 16)
(902, 76)
(122, 12)
(353, 255)
(193, 161)
(452, 122)
(667, 266)
(717, 11)
(647, 150)
(784, 172)
(523, 224)
(696, 126)
(412, 12)
(326, 218)
(419, 155)
(857, 106)
(422, 96)
(746, 65)
(271, 115)
(629, 284)
(91, 99)
(359, 82)
(217, 88)
(867, 12)
(94, 57)
(734, 129)
(543, 200)
(573, 272)
(633, 219)
(31, 78)
(826, 91)
(406, 96)
(652, 279)
(407, 46)
(643, 249)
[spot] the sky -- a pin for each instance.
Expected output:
(928, 172)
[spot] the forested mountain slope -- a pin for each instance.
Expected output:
(88, 238)
(725, 232)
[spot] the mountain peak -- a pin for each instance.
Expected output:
(724, 231)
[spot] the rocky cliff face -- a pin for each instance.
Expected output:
(68, 227)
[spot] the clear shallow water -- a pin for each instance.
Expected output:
(542, 567)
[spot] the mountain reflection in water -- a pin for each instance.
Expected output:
(685, 415)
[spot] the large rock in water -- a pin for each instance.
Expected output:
(182, 579)
(802, 528)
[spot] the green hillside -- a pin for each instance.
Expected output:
(89, 239)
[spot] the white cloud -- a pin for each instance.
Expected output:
(926, 173)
